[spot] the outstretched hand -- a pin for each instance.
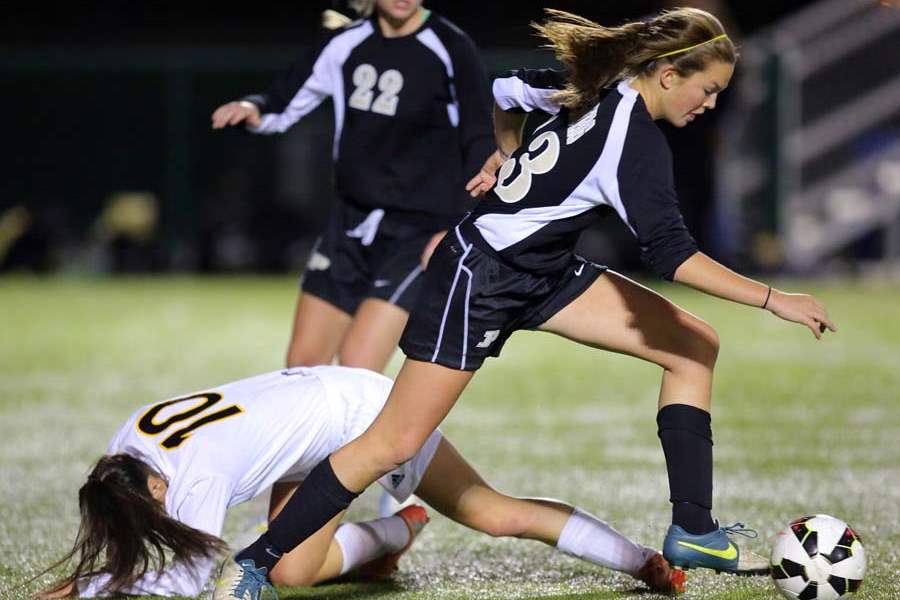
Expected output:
(485, 179)
(802, 309)
(234, 113)
(63, 591)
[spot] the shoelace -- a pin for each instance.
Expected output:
(740, 529)
(252, 580)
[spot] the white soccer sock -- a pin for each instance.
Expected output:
(587, 537)
(363, 542)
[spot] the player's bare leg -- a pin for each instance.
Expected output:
(455, 489)
(620, 315)
(373, 335)
(374, 546)
(369, 344)
(422, 395)
(317, 559)
(318, 329)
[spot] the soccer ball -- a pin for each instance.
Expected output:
(817, 558)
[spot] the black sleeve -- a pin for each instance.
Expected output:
(647, 191)
(525, 90)
(476, 129)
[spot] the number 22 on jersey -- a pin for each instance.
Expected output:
(365, 77)
(148, 424)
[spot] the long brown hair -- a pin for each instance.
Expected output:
(124, 532)
(597, 56)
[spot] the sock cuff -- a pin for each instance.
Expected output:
(323, 478)
(568, 541)
(684, 417)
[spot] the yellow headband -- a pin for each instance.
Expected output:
(724, 36)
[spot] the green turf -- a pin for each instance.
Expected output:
(801, 426)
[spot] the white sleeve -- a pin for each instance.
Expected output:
(320, 83)
(307, 86)
(202, 507)
(177, 580)
(526, 90)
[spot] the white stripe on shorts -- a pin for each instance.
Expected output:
(462, 362)
(459, 267)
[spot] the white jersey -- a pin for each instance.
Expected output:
(222, 446)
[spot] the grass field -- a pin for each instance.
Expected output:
(800, 426)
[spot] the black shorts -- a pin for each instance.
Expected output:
(472, 301)
(363, 255)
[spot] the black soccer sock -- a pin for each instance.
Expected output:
(318, 499)
(686, 438)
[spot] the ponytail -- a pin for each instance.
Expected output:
(598, 56)
(337, 18)
(124, 532)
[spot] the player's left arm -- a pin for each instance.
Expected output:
(649, 205)
(67, 590)
(707, 275)
(508, 128)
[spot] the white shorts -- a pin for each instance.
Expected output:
(402, 482)
(355, 397)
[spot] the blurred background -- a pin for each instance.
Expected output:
(110, 165)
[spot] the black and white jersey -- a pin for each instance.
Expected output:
(568, 171)
(412, 115)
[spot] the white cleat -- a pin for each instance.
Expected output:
(242, 581)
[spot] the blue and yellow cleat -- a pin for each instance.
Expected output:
(713, 550)
(242, 581)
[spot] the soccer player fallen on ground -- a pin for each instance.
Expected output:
(175, 467)
(412, 122)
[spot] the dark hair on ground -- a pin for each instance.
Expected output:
(124, 532)
(597, 56)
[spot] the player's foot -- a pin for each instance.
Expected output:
(242, 581)
(385, 566)
(660, 577)
(713, 550)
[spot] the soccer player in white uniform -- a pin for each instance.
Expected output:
(176, 466)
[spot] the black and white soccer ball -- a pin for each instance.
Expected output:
(818, 558)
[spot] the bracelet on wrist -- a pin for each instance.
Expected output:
(768, 295)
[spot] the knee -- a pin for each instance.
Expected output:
(498, 524)
(702, 344)
(497, 520)
(709, 345)
(286, 578)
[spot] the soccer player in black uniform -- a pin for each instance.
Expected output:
(510, 265)
(412, 122)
